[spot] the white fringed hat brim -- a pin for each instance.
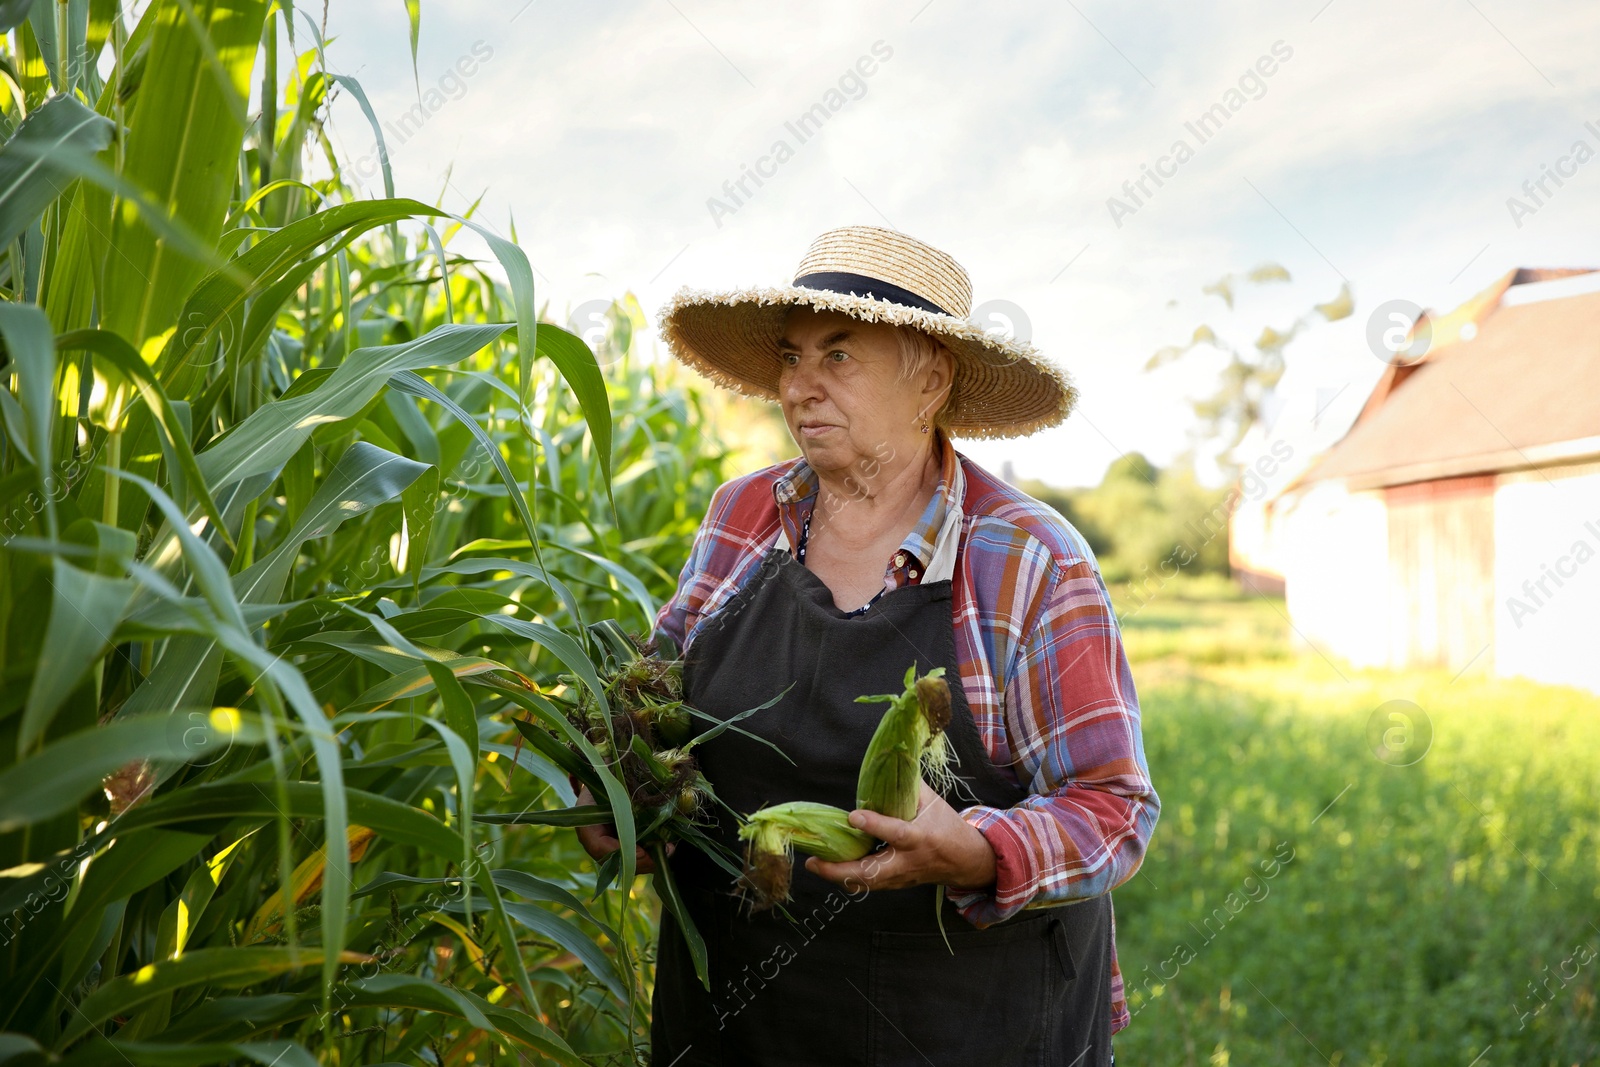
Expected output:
(1003, 388)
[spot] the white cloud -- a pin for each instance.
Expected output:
(1388, 142)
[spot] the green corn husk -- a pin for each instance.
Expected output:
(772, 833)
(671, 721)
(908, 743)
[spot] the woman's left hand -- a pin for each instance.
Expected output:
(938, 847)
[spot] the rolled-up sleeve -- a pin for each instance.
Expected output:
(698, 577)
(726, 546)
(1073, 720)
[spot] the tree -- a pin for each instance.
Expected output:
(1247, 381)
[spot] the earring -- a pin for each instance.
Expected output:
(924, 425)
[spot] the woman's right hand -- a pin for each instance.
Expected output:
(599, 840)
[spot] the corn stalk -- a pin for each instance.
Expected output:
(302, 509)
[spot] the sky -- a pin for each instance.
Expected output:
(1365, 143)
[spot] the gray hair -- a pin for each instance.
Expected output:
(917, 350)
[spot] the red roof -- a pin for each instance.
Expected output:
(1524, 392)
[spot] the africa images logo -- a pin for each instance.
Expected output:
(850, 87)
(1252, 85)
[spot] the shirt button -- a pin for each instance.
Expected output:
(899, 559)
(913, 572)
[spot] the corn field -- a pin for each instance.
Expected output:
(302, 511)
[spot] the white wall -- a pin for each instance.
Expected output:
(1547, 521)
(1335, 554)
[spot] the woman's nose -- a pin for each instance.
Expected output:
(800, 382)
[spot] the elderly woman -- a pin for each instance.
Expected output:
(879, 548)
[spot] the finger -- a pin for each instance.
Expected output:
(887, 869)
(883, 827)
(846, 874)
(880, 870)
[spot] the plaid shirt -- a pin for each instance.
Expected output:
(1041, 663)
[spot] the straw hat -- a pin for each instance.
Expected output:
(1003, 388)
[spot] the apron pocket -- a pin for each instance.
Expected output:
(1058, 937)
(988, 1003)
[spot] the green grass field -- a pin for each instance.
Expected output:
(1327, 884)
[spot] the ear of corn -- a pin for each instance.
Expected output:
(908, 742)
(644, 733)
(771, 833)
(821, 830)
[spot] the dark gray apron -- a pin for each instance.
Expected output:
(856, 977)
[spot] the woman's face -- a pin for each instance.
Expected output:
(842, 392)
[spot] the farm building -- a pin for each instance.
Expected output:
(1456, 524)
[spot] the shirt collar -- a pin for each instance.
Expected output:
(794, 489)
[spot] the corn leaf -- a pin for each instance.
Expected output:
(100, 1052)
(224, 968)
(55, 778)
(85, 609)
(27, 336)
(32, 171)
(275, 431)
(183, 144)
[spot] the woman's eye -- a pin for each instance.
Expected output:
(790, 359)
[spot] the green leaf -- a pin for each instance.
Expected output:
(531, 1032)
(122, 869)
(416, 385)
(183, 142)
(579, 367)
(29, 343)
(486, 564)
(616, 793)
(282, 256)
(418, 682)
(32, 173)
(42, 21)
(117, 352)
(354, 88)
(535, 888)
(278, 677)
(226, 968)
(57, 777)
(729, 723)
(85, 609)
(460, 732)
(274, 432)
(557, 753)
(570, 936)
(396, 657)
(519, 882)
(672, 900)
(625, 578)
(409, 991)
(419, 503)
(364, 477)
(584, 815)
(414, 16)
(208, 571)
(12, 14)
(100, 1052)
